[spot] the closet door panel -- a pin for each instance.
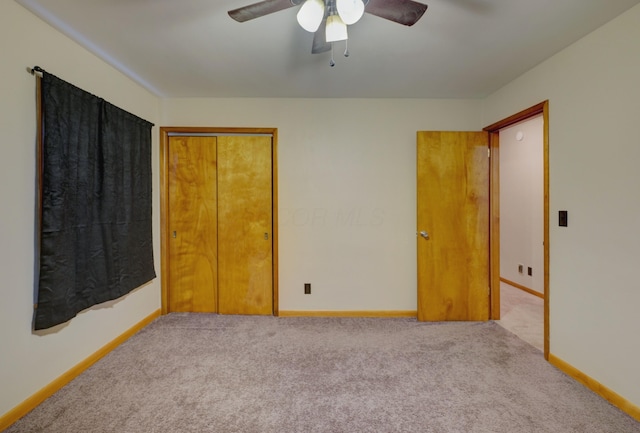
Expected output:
(245, 224)
(193, 263)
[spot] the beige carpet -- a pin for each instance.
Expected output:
(523, 314)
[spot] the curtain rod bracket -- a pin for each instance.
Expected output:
(35, 69)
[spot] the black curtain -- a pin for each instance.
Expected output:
(96, 227)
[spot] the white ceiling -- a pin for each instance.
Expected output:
(192, 48)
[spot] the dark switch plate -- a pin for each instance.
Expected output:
(563, 218)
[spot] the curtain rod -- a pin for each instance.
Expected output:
(38, 69)
(35, 69)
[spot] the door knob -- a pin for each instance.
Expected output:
(424, 234)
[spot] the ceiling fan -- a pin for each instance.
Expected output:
(328, 19)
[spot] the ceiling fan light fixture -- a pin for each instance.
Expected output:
(329, 19)
(311, 14)
(350, 10)
(336, 29)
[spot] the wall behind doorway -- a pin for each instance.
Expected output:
(522, 203)
(346, 190)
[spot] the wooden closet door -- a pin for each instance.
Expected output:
(245, 254)
(192, 217)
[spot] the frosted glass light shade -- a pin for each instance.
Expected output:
(336, 29)
(350, 10)
(310, 15)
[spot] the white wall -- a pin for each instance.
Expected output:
(522, 203)
(29, 361)
(594, 104)
(347, 193)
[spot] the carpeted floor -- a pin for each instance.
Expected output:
(209, 373)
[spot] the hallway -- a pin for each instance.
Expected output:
(523, 314)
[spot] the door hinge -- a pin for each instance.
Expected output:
(489, 152)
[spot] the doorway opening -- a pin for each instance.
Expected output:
(521, 228)
(539, 110)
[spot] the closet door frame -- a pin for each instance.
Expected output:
(165, 132)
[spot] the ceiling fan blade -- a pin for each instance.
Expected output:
(320, 44)
(260, 9)
(405, 12)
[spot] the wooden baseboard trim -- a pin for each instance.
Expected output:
(595, 386)
(385, 314)
(30, 403)
(521, 287)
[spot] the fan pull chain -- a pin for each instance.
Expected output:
(332, 63)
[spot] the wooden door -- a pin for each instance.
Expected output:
(245, 225)
(193, 263)
(453, 226)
